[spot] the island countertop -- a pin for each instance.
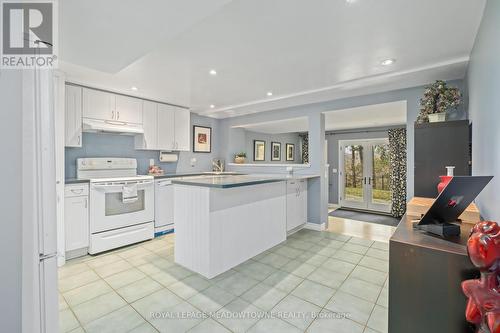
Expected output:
(230, 181)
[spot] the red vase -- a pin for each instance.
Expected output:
(444, 181)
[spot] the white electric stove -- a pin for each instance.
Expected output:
(121, 202)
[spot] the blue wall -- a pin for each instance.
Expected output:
(115, 145)
(284, 138)
(319, 190)
(410, 95)
(483, 80)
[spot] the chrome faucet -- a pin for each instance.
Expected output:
(218, 165)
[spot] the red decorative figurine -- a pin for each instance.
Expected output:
(483, 306)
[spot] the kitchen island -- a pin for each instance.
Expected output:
(222, 221)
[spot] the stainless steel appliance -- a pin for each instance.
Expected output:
(121, 202)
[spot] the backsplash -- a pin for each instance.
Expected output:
(116, 145)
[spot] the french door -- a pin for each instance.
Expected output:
(364, 175)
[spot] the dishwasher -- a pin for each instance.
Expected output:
(164, 206)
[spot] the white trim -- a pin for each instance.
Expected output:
(281, 165)
(315, 226)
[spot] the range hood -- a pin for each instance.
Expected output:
(111, 126)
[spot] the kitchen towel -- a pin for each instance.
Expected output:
(129, 193)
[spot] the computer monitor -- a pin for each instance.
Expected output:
(451, 203)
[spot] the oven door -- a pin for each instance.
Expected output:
(109, 211)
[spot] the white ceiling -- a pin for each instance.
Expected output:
(302, 51)
(376, 115)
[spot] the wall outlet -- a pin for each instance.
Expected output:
(151, 161)
(193, 161)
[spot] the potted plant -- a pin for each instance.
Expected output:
(438, 99)
(240, 158)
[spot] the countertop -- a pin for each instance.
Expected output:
(68, 181)
(230, 181)
(226, 180)
(166, 175)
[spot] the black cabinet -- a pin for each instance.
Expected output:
(438, 145)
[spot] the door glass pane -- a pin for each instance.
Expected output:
(380, 178)
(115, 205)
(353, 173)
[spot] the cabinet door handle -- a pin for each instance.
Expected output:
(77, 191)
(86, 202)
(79, 139)
(118, 115)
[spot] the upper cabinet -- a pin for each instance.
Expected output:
(103, 105)
(182, 128)
(166, 125)
(128, 109)
(73, 116)
(149, 140)
(98, 104)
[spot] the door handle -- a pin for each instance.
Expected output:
(364, 180)
(369, 180)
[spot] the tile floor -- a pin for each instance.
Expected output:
(313, 282)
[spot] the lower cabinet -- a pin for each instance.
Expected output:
(76, 219)
(296, 203)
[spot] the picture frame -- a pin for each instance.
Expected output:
(202, 139)
(259, 150)
(275, 151)
(290, 151)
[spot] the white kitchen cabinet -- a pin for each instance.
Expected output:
(182, 128)
(166, 127)
(296, 203)
(73, 116)
(98, 104)
(103, 105)
(148, 140)
(76, 218)
(128, 109)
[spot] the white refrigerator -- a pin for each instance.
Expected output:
(39, 265)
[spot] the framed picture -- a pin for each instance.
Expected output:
(290, 152)
(275, 151)
(202, 139)
(259, 150)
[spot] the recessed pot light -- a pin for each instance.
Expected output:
(134, 88)
(269, 93)
(212, 106)
(213, 72)
(388, 62)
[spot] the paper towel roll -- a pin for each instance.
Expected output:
(168, 157)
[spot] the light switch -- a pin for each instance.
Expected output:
(334, 170)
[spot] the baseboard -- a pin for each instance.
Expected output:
(315, 226)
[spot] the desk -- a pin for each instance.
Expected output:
(425, 273)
